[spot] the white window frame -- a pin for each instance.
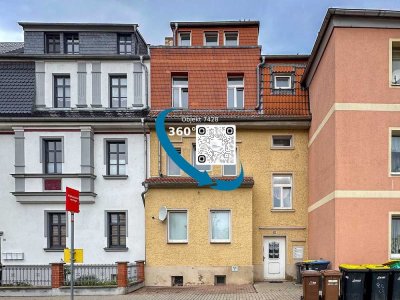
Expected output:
(281, 186)
(283, 88)
(235, 87)
(391, 216)
(391, 84)
(194, 159)
(291, 146)
(180, 87)
(231, 32)
(168, 164)
(185, 241)
(393, 131)
(205, 39)
(180, 38)
(216, 241)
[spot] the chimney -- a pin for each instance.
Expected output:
(169, 41)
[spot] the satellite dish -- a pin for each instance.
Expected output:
(162, 213)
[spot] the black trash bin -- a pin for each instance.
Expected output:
(300, 267)
(378, 282)
(394, 285)
(353, 282)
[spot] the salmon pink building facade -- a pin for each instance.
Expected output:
(354, 182)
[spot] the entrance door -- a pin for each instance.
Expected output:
(274, 257)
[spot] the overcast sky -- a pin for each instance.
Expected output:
(287, 26)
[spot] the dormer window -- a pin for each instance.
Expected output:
(211, 38)
(52, 42)
(184, 39)
(125, 44)
(71, 43)
(231, 38)
(282, 82)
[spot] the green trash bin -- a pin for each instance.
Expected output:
(378, 282)
(353, 282)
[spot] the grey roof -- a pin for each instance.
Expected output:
(17, 87)
(215, 23)
(78, 26)
(11, 47)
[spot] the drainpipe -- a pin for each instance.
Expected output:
(174, 33)
(146, 84)
(145, 161)
(259, 100)
(159, 159)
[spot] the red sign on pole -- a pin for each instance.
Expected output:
(72, 200)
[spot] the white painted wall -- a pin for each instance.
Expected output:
(24, 224)
(107, 68)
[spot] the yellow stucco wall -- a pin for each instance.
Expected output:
(260, 162)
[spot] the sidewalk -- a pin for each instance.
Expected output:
(260, 291)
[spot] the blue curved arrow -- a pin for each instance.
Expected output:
(201, 177)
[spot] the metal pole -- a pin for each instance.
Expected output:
(72, 256)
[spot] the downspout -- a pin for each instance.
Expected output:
(159, 159)
(174, 33)
(146, 188)
(259, 101)
(146, 84)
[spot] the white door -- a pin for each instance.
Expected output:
(274, 257)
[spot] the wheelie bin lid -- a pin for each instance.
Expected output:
(373, 267)
(353, 268)
(320, 261)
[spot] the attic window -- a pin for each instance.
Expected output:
(52, 42)
(231, 39)
(184, 39)
(211, 38)
(282, 82)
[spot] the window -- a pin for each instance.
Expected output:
(283, 82)
(116, 158)
(219, 279)
(62, 91)
(230, 170)
(231, 39)
(211, 38)
(118, 91)
(116, 229)
(180, 92)
(52, 42)
(220, 226)
(235, 93)
(282, 141)
(395, 151)
(72, 43)
(57, 230)
(395, 241)
(125, 44)
(184, 39)
(395, 63)
(282, 190)
(172, 168)
(177, 227)
(52, 156)
(202, 168)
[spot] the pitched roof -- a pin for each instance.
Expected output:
(175, 181)
(11, 47)
(17, 87)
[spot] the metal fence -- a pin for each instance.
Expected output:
(91, 275)
(132, 273)
(26, 276)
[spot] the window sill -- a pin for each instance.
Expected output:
(282, 148)
(173, 243)
(116, 249)
(115, 177)
(283, 210)
(395, 174)
(53, 250)
(216, 242)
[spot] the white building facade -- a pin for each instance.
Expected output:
(72, 113)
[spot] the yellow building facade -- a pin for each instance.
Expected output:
(256, 227)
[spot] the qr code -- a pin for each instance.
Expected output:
(215, 144)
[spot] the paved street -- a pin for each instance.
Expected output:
(260, 291)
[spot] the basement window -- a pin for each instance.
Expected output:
(176, 280)
(220, 280)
